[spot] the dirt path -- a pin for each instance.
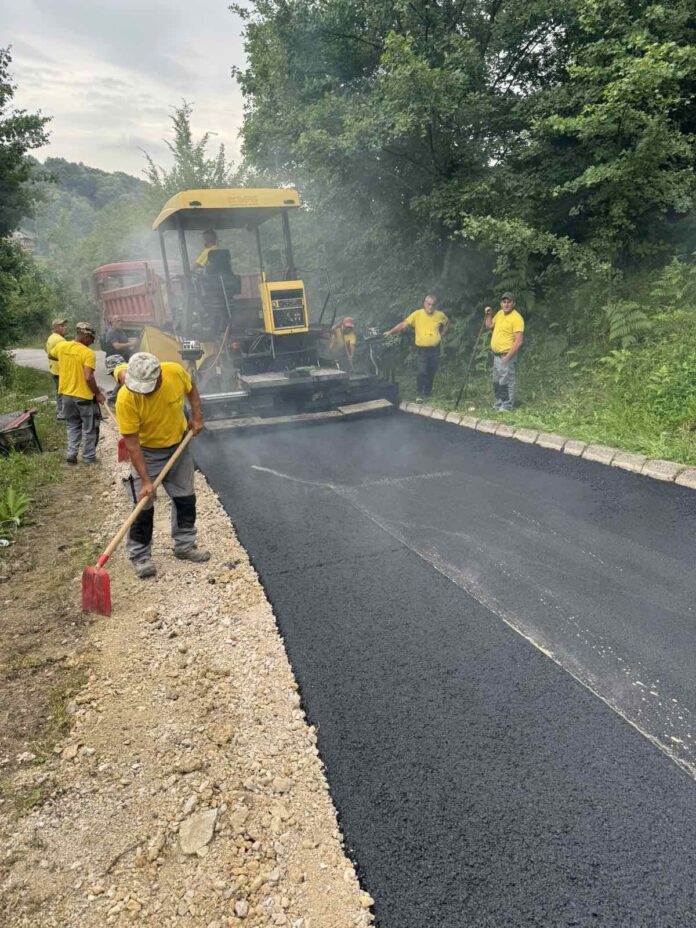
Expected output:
(185, 788)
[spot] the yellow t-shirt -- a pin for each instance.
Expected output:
(73, 357)
(202, 258)
(53, 339)
(157, 418)
(504, 329)
(340, 340)
(427, 326)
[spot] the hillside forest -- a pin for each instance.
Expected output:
(461, 149)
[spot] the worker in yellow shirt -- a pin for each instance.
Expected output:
(81, 395)
(210, 243)
(58, 329)
(508, 334)
(430, 325)
(150, 413)
(342, 345)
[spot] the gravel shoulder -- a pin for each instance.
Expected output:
(184, 787)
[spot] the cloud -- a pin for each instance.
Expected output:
(108, 73)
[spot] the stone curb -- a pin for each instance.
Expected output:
(668, 471)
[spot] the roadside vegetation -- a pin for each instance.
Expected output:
(467, 149)
(25, 474)
(639, 395)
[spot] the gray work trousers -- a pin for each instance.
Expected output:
(59, 399)
(82, 419)
(179, 486)
(504, 382)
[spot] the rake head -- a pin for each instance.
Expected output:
(96, 590)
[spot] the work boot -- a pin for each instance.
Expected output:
(71, 459)
(196, 555)
(144, 568)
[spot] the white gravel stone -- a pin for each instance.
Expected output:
(197, 831)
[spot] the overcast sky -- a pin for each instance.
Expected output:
(109, 71)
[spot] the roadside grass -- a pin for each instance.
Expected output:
(642, 400)
(29, 471)
(59, 721)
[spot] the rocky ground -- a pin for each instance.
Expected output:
(184, 786)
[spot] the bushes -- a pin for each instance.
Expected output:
(30, 296)
(23, 472)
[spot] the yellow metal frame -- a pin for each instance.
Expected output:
(265, 289)
(216, 204)
(166, 347)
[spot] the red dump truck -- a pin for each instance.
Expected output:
(134, 292)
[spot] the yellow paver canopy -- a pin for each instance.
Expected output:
(233, 208)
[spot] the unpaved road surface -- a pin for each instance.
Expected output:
(495, 643)
(156, 767)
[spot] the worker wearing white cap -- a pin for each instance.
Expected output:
(150, 413)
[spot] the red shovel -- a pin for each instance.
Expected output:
(96, 586)
(122, 450)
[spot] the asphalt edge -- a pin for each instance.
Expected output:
(658, 469)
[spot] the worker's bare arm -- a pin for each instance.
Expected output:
(488, 317)
(516, 345)
(137, 459)
(92, 384)
(196, 420)
(399, 327)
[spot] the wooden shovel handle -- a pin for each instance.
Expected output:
(118, 537)
(110, 413)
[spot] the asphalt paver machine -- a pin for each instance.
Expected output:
(240, 315)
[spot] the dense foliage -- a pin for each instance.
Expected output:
(20, 133)
(539, 144)
(23, 291)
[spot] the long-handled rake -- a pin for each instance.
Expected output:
(471, 361)
(122, 450)
(96, 585)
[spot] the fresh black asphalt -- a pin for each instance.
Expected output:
(477, 780)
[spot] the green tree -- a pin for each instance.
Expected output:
(192, 168)
(20, 133)
(25, 295)
(531, 143)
